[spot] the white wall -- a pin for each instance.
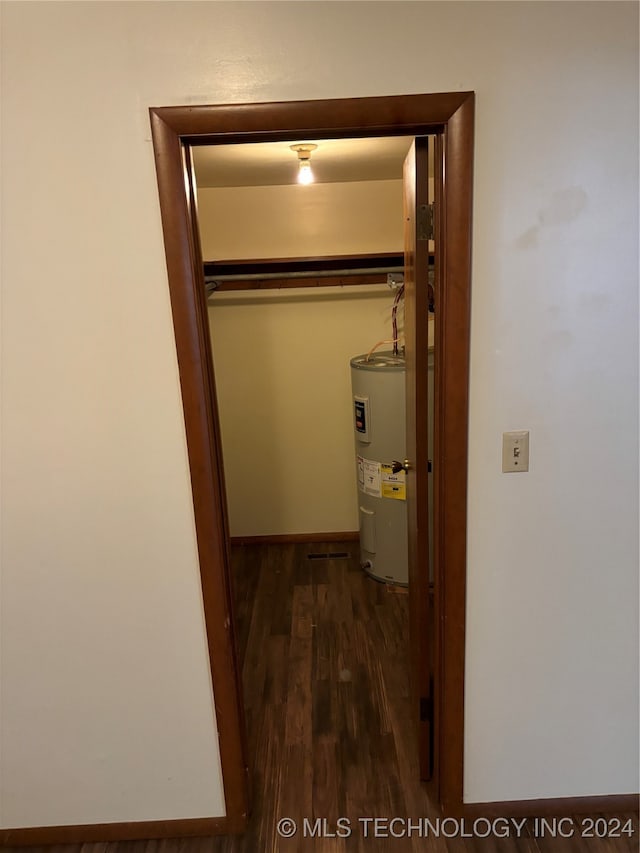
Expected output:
(106, 712)
(99, 568)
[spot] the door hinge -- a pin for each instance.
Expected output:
(426, 709)
(425, 222)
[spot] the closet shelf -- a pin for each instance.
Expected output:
(275, 273)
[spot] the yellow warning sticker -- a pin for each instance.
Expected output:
(392, 485)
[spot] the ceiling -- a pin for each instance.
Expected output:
(273, 163)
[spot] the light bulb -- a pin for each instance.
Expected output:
(305, 175)
(303, 150)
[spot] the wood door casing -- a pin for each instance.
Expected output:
(216, 441)
(416, 248)
(450, 115)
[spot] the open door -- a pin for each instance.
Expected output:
(417, 234)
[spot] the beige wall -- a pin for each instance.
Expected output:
(284, 392)
(106, 706)
(296, 221)
(282, 357)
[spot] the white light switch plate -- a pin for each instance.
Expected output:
(515, 451)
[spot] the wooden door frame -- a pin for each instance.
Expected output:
(451, 117)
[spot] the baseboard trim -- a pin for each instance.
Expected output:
(556, 807)
(294, 538)
(133, 831)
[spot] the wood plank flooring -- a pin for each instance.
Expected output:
(326, 694)
(325, 671)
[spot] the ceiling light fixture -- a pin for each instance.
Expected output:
(303, 150)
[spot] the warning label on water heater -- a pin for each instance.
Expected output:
(369, 476)
(393, 485)
(378, 480)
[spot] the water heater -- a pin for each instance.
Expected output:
(378, 388)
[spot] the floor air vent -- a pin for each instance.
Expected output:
(335, 555)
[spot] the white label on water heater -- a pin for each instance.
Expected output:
(370, 476)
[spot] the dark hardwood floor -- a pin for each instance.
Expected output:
(324, 652)
(327, 695)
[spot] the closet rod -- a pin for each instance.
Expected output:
(214, 280)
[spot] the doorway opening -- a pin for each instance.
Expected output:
(300, 280)
(450, 118)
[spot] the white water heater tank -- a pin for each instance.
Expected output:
(378, 388)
